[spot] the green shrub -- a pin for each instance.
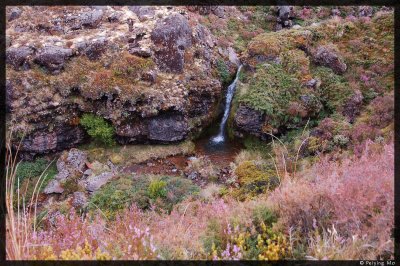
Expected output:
(98, 128)
(262, 214)
(271, 90)
(157, 189)
(163, 192)
(223, 72)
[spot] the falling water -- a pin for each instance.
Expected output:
(229, 96)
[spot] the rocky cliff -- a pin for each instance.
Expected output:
(149, 71)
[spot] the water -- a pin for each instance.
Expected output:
(229, 96)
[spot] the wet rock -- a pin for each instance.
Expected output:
(19, 57)
(171, 37)
(53, 58)
(79, 199)
(94, 183)
(143, 12)
(54, 186)
(15, 13)
(353, 106)
(248, 120)
(327, 56)
(168, 128)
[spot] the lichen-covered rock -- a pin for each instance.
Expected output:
(143, 12)
(91, 19)
(19, 57)
(94, 183)
(79, 199)
(171, 37)
(53, 58)
(327, 56)
(54, 186)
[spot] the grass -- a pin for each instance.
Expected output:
(132, 154)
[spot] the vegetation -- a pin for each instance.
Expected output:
(98, 128)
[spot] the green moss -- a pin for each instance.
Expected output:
(223, 72)
(271, 91)
(98, 128)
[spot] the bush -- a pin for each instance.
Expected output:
(157, 189)
(162, 192)
(98, 128)
(223, 72)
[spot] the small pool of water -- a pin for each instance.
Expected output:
(221, 153)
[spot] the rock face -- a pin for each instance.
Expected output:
(70, 165)
(327, 56)
(172, 36)
(148, 71)
(168, 128)
(248, 120)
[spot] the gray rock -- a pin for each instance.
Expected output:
(139, 51)
(95, 182)
(172, 36)
(327, 56)
(79, 199)
(284, 17)
(219, 11)
(19, 57)
(168, 128)
(143, 12)
(91, 19)
(53, 58)
(54, 186)
(233, 58)
(96, 48)
(15, 13)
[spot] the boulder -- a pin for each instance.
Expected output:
(19, 57)
(91, 19)
(143, 12)
(94, 183)
(141, 52)
(248, 120)
(171, 37)
(54, 186)
(284, 17)
(96, 48)
(53, 58)
(168, 128)
(326, 55)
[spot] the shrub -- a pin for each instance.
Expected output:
(157, 189)
(98, 128)
(223, 72)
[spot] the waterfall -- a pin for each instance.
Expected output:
(229, 96)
